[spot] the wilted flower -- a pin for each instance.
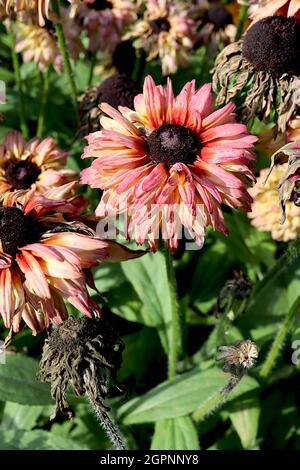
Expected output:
(266, 210)
(171, 162)
(164, 32)
(105, 22)
(263, 68)
(118, 90)
(39, 43)
(217, 28)
(84, 354)
(36, 7)
(45, 257)
(36, 165)
(263, 8)
(288, 187)
(241, 355)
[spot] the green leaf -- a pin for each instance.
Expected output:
(19, 384)
(18, 416)
(214, 264)
(245, 417)
(274, 295)
(108, 276)
(148, 276)
(138, 355)
(175, 434)
(180, 397)
(37, 440)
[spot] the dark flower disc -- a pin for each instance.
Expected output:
(273, 45)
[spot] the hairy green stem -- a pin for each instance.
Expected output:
(217, 400)
(19, 83)
(108, 425)
(279, 339)
(241, 21)
(64, 53)
(43, 102)
(175, 321)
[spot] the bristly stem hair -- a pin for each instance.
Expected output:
(108, 425)
(216, 401)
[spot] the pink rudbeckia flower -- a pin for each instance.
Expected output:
(45, 257)
(180, 155)
(36, 165)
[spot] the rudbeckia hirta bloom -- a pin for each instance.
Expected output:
(263, 8)
(263, 70)
(36, 165)
(266, 211)
(45, 257)
(180, 156)
(165, 32)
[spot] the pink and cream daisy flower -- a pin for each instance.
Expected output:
(35, 166)
(263, 8)
(180, 156)
(165, 32)
(45, 257)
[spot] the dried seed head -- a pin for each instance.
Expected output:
(242, 355)
(273, 45)
(85, 354)
(117, 90)
(261, 93)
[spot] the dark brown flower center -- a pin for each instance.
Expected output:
(173, 143)
(123, 57)
(159, 25)
(22, 174)
(118, 90)
(219, 16)
(273, 45)
(16, 229)
(99, 5)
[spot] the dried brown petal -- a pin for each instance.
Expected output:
(287, 188)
